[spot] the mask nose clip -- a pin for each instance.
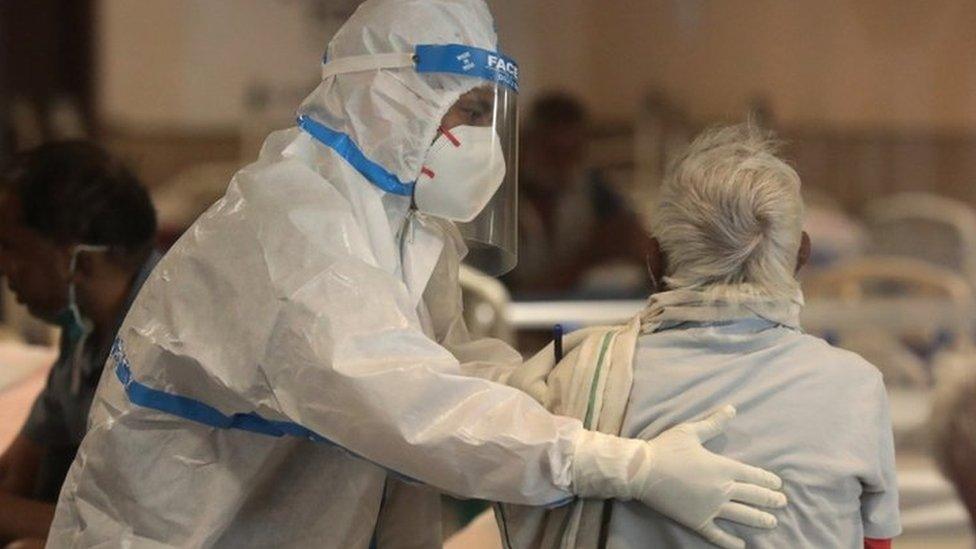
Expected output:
(450, 136)
(425, 170)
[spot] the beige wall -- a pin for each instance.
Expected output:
(550, 40)
(184, 64)
(848, 63)
(842, 63)
(174, 65)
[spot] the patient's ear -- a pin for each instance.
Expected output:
(803, 254)
(657, 264)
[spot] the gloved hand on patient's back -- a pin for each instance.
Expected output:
(676, 476)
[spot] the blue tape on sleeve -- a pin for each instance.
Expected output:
(468, 60)
(199, 412)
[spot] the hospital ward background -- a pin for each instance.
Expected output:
(874, 100)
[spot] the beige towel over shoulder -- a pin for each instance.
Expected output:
(592, 383)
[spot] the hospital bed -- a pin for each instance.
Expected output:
(926, 226)
(822, 315)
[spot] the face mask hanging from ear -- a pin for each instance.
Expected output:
(463, 170)
(76, 327)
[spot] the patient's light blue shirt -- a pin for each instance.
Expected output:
(815, 415)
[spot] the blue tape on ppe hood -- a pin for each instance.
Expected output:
(470, 61)
(345, 147)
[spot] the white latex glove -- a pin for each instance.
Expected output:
(674, 475)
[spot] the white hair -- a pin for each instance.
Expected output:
(730, 217)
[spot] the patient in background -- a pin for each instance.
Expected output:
(76, 242)
(954, 432)
(572, 224)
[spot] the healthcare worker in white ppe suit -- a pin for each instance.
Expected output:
(296, 373)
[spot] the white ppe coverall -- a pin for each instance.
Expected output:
(288, 303)
(303, 339)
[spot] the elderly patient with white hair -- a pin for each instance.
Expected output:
(722, 329)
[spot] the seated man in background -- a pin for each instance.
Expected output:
(724, 329)
(571, 220)
(76, 242)
(953, 423)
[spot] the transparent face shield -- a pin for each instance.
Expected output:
(492, 237)
(476, 152)
(471, 177)
(470, 172)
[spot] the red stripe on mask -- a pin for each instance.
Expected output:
(450, 137)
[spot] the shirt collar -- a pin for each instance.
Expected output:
(667, 309)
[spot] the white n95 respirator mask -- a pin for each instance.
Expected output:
(463, 170)
(464, 177)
